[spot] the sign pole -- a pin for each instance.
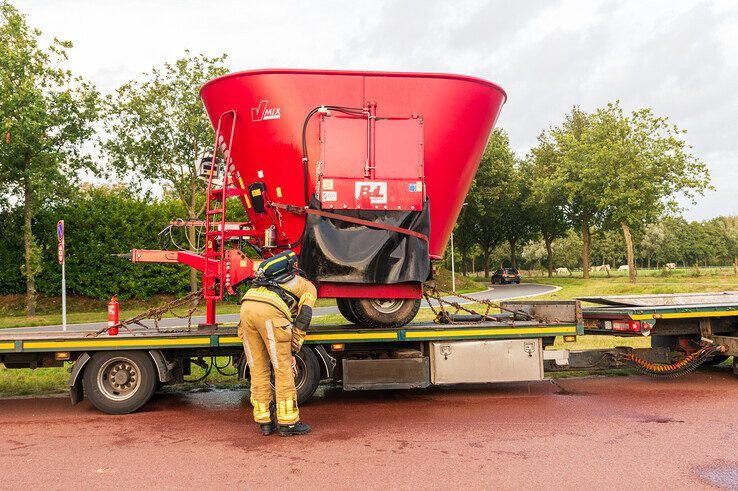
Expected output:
(64, 299)
(62, 261)
(453, 265)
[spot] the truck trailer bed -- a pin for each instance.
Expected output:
(57, 341)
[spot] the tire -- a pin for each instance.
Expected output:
(344, 307)
(393, 312)
(307, 377)
(120, 382)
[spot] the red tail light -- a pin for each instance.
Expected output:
(629, 326)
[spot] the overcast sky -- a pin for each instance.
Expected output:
(678, 57)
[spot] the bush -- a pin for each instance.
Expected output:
(99, 222)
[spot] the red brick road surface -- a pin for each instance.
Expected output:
(576, 433)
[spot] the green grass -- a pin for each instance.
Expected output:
(647, 283)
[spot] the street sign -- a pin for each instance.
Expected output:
(60, 238)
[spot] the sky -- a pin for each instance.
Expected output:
(678, 57)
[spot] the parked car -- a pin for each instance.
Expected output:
(506, 275)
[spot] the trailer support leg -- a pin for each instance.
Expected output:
(210, 312)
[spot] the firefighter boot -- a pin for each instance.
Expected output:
(298, 428)
(270, 427)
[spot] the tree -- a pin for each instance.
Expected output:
(574, 177)
(729, 227)
(464, 235)
(514, 208)
(546, 204)
(641, 163)
(158, 129)
(46, 116)
(652, 241)
(484, 212)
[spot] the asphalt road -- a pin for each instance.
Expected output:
(593, 433)
(498, 292)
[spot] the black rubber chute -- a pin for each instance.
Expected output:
(343, 252)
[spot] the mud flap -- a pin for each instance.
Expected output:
(76, 391)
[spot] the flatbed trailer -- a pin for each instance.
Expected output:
(677, 324)
(119, 374)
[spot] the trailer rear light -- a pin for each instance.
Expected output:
(626, 326)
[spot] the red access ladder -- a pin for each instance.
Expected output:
(214, 275)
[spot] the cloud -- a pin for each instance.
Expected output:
(680, 58)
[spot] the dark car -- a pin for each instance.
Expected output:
(506, 275)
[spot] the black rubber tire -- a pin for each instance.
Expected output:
(307, 378)
(368, 315)
(307, 384)
(344, 307)
(145, 371)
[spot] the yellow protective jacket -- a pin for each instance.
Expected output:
(299, 289)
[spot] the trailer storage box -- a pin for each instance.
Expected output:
(402, 373)
(504, 360)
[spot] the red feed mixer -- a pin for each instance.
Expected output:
(363, 174)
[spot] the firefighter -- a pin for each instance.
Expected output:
(275, 316)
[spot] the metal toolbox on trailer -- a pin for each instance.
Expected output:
(504, 360)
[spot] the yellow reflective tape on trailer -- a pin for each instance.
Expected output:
(7, 346)
(684, 315)
(230, 340)
(114, 343)
(452, 333)
(384, 336)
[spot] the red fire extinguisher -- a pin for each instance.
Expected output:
(113, 315)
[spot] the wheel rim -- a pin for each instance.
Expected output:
(300, 376)
(387, 305)
(119, 378)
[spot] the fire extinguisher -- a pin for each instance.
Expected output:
(113, 315)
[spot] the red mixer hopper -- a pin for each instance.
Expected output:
(447, 117)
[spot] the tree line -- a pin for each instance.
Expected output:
(605, 172)
(56, 129)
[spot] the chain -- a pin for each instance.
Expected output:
(431, 292)
(157, 313)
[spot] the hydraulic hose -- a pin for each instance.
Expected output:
(672, 370)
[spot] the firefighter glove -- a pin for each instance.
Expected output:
(298, 337)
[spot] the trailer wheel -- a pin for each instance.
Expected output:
(120, 382)
(385, 312)
(344, 307)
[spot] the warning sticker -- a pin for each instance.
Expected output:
(327, 184)
(327, 196)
